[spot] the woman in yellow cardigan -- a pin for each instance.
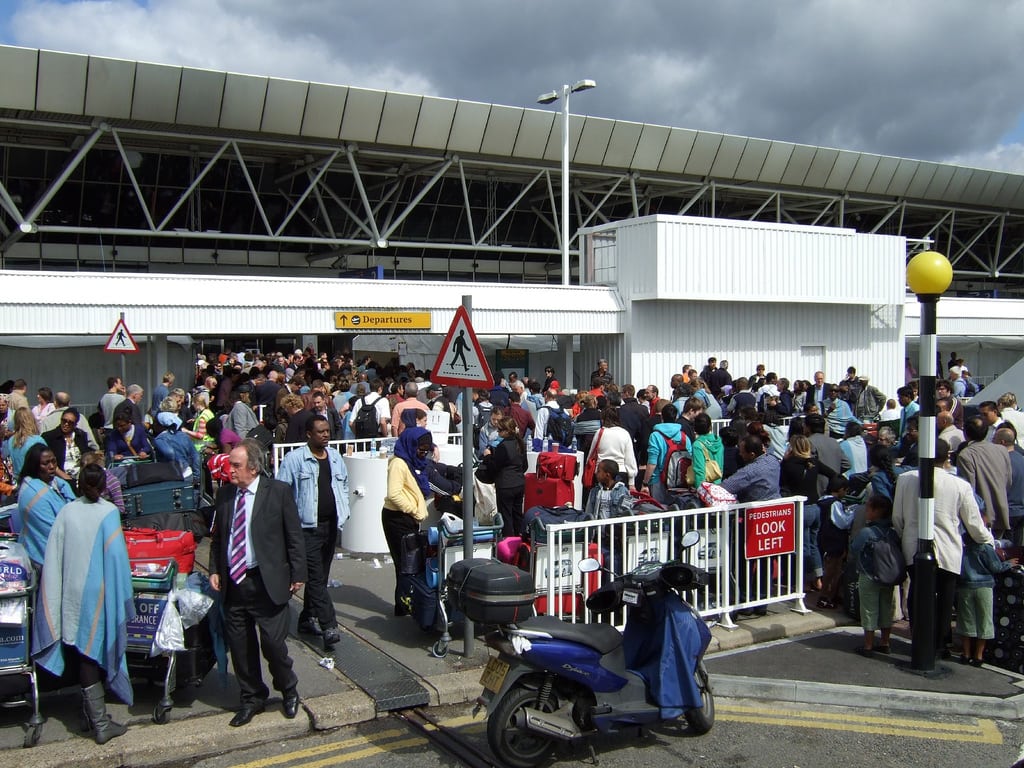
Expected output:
(406, 503)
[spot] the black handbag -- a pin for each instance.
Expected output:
(413, 554)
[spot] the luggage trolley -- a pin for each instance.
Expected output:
(17, 588)
(447, 536)
(153, 581)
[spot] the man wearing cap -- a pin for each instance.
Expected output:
(437, 400)
(242, 419)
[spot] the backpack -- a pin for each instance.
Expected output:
(560, 427)
(484, 408)
(366, 425)
(677, 461)
(712, 471)
(882, 561)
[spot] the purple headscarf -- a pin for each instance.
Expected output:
(405, 449)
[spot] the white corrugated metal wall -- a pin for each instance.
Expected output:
(749, 332)
(792, 297)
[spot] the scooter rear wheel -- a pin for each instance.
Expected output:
(702, 718)
(515, 745)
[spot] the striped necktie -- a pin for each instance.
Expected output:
(236, 547)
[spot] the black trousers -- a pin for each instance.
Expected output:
(510, 505)
(253, 622)
(320, 544)
(396, 525)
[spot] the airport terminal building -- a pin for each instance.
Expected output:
(259, 211)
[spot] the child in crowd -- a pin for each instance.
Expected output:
(974, 598)
(876, 601)
(834, 538)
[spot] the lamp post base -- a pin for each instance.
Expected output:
(937, 672)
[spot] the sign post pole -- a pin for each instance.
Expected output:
(124, 363)
(468, 487)
(461, 363)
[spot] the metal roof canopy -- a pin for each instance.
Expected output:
(400, 151)
(62, 303)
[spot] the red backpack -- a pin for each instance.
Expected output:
(677, 460)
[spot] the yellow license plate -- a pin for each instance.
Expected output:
(494, 674)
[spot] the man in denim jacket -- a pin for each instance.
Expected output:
(319, 480)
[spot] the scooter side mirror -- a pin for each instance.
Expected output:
(588, 565)
(690, 538)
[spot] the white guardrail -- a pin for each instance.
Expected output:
(372, 444)
(736, 582)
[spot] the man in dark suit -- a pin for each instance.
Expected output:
(257, 561)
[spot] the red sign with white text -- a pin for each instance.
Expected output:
(770, 530)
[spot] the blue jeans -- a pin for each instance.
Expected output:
(658, 490)
(812, 555)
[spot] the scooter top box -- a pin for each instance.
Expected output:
(490, 592)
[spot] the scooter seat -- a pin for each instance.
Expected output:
(601, 637)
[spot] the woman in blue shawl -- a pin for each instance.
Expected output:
(41, 495)
(85, 601)
(405, 505)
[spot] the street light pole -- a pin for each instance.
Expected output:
(547, 98)
(928, 274)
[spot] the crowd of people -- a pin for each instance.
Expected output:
(845, 447)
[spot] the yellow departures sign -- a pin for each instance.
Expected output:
(354, 320)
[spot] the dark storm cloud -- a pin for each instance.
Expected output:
(921, 79)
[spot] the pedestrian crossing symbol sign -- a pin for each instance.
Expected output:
(461, 362)
(121, 339)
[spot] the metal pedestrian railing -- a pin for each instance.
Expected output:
(753, 554)
(372, 445)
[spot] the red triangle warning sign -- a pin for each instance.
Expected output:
(121, 339)
(461, 362)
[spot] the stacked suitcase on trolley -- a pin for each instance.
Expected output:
(19, 684)
(1006, 650)
(429, 555)
(161, 562)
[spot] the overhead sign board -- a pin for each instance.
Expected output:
(121, 339)
(770, 530)
(356, 320)
(461, 362)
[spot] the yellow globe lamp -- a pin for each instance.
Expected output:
(929, 273)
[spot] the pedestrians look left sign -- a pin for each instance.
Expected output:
(121, 340)
(461, 362)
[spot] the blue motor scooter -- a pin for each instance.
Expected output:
(553, 681)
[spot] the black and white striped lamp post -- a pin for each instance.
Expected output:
(929, 274)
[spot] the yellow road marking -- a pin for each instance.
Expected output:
(325, 748)
(981, 732)
(370, 751)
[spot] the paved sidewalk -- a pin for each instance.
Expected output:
(784, 656)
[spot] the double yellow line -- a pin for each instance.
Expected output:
(980, 732)
(361, 747)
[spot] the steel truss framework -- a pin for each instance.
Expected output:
(103, 196)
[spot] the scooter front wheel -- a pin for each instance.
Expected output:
(507, 735)
(702, 718)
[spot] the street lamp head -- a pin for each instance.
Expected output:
(929, 273)
(547, 98)
(584, 85)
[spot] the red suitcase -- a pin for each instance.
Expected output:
(547, 491)
(146, 543)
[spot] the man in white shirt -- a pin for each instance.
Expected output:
(954, 504)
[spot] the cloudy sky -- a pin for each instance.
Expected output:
(928, 79)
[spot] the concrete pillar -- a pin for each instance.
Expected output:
(566, 365)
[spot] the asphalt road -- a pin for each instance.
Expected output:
(746, 733)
